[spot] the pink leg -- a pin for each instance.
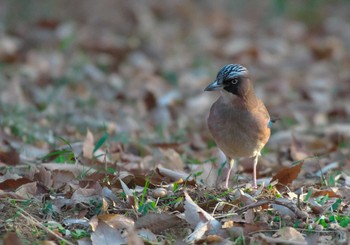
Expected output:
(230, 162)
(254, 170)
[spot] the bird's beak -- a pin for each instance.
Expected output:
(213, 86)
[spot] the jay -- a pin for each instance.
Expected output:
(238, 121)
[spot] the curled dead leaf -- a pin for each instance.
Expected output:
(157, 222)
(286, 176)
(88, 145)
(10, 157)
(330, 193)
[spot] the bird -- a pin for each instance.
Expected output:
(238, 120)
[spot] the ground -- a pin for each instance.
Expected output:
(103, 122)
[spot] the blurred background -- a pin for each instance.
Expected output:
(138, 69)
(133, 74)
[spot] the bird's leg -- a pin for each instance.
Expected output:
(254, 170)
(230, 162)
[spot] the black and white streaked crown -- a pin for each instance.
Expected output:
(231, 70)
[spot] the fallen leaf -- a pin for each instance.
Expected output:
(200, 219)
(44, 177)
(286, 176)
(9, 175)
(195, 214)
(147, 236)
(290, 234)
(128, 193)
(12, 238)
(330, 193)
(297, 151)
(150, 100)
(249, 216)
(172, 174)
(106, 235)
(134, 239)
(13, 184)
(76, 169)
(172, 159)
(27, 190)
(74, 221)
(61, 178)
(286, 235)
(88, 145)
(246, 228)
(10, 157)
(117, 221)
(86, 195)
(344, 191)
(197, 234)
(157, 222)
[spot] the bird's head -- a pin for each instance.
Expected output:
(232, 78)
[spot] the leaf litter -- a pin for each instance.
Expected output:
(102, 129)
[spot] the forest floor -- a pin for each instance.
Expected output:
(103, 136)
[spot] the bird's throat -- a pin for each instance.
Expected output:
(248, 99)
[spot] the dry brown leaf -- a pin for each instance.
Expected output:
(296, 150)
(47, 23)
(249, 216)
(134, 239)
(344, 192)
(88, 145)
(129, 194)
(10, 157)
(166, 145)
(172, 174)
(171, 159)
(150, 100)
(286, 235)
(12, 195)
(243, 198)
(200, 219)
(117, 221)
(286, 175)
(27, 190)
(61, 178)
(84, 195)
(192, 211)
(75, 169)
(106, 235)
(209, 173)
(330, 193)
(289, 235)
(9, 175)
(109, 194)
(93, 223)
(12, 239)
(105, 206)
(198, 233)
(11, 184)
(214, 239)
(156, 222)
(246, 228)
(283, 210)
(44, 177)
(147, 236)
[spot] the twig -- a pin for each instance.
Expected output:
(290, 206)
(31, 219)
(253, 205)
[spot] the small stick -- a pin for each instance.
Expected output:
(38, 224)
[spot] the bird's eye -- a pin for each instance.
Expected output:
(234, 81)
